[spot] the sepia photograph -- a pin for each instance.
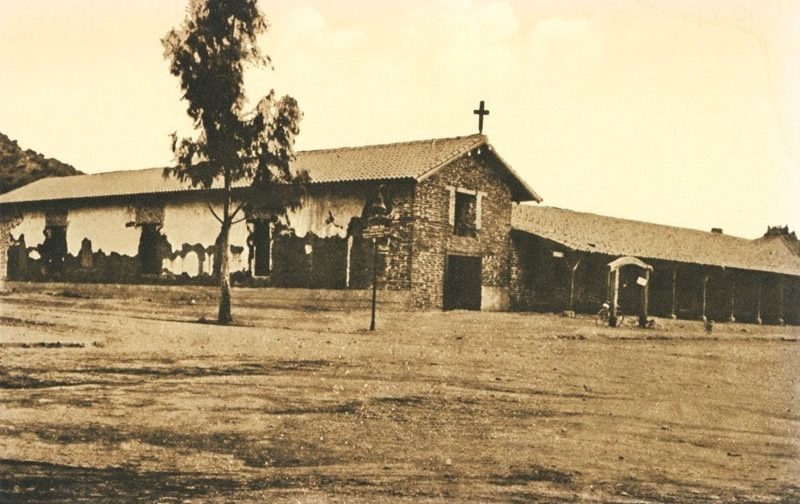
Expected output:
(433, 251)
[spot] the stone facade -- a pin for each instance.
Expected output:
(434, 239)
(395, 265)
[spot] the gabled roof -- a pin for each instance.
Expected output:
(407, 160)
(791, 242)
(588, 232)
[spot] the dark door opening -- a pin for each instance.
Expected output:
(148, 249)
(630, 292)
(261, 240)
(462, 284)
(54, 250)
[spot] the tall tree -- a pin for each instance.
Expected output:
(209, 53)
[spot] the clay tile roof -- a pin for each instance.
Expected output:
(407, 160)
(588, 232)
(791, 242)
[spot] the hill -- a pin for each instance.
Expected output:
(22, 166)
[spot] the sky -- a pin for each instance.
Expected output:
(677, 112)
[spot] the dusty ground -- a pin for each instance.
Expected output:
(118, 394)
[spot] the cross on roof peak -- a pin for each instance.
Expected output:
(480, 112)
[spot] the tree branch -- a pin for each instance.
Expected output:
(237, 221)
(214, 213)
(238, 208)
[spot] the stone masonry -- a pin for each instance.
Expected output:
(434, 240)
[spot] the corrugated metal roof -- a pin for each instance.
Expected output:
(588, 232)
(406, 160)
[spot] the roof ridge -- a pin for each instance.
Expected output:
(131, 170)
(453, 154)
(413, 160)
(391, 144)
(332, 149)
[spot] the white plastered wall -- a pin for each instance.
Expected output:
(32, 226)
(106, 227)
(316, 211)
(192, 223)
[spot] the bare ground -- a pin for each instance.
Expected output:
(118, 394)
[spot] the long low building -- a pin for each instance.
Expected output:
(464, 232)
(447, 202)
(572, 260)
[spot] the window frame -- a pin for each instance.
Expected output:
(479, 195)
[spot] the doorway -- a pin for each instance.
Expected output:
(630, 291)
(462, 284)
(149, 239)
(261, 247)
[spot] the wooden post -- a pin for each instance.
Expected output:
(674, 314)
(347, 263)
(573, 269)
(374, 282)
(705, 285)
(612, 319)
(645, 300)
(758, 306)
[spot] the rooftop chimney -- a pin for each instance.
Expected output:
(716, 230)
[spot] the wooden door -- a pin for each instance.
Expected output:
(462, 286)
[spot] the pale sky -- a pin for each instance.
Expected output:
(677, 112)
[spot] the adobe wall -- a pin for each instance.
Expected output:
(7, 222)
(102, 241)
(434, 239)
(309, 245)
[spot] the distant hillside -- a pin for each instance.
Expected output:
(19, 167)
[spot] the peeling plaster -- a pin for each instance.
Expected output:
(192, 222)
(325, 215)
(32, 226)
(105, 227)
(99, 234)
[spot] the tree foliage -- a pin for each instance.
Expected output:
(209, 53)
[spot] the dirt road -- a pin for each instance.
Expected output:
(120, 394)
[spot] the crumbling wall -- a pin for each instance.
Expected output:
(326, 211)
(31, 227)
(309, 245)
(192, 230)
(8, 221)
(107, 227)
(322, 246)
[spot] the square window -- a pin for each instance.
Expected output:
(465, 214)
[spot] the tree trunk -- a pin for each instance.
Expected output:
(224, 316)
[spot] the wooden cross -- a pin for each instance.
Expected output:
(480, 112)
